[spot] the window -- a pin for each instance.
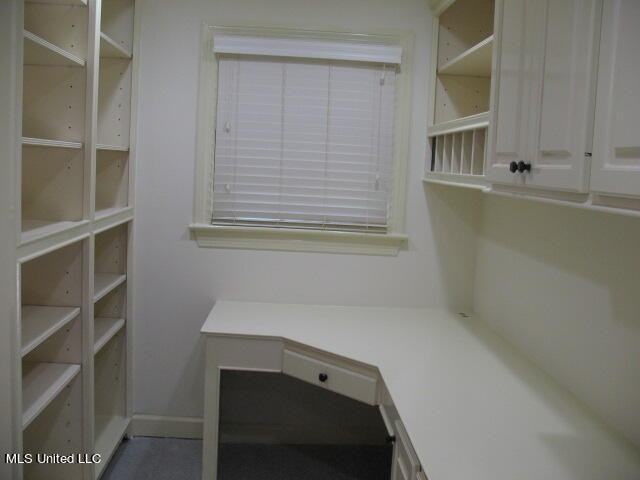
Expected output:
(300, 143)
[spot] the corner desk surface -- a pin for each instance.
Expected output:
(474, 408)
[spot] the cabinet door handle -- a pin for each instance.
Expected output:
(524, 167)
(513, 167)
(323, 377)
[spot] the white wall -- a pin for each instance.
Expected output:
(177, 282)
(563, 285)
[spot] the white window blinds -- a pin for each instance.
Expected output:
(303, 143)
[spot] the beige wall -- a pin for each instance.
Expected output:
(176, 282)
(563, 285)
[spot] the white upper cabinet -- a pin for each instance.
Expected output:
(542, 116)
(616, 154)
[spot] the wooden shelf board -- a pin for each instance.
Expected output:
(38, 51)
(109, 433)
(113, 148)
(472, 122)
(41, 383)
(108, 212)
(80, 3)
(105, 282)
(476, 182)
(39, 323)
(35, 229)
(475, 62)
(104, 329)
(109, 48)
(43, 142)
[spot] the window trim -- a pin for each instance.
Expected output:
(267, 238)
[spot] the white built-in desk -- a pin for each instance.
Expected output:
(473, 408)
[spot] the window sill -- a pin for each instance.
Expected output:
(289, 239)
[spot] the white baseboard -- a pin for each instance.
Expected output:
(161, 426)
(190, 427)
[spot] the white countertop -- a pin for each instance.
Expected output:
(474, 407)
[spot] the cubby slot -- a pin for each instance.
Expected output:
(58, 427)
(456, 155)
(53, 103)
(478, 155)
(52, 189)
(467, 152)
(114, 103)
(112, 180)
(117, 24)
(109, 316)
(439, 151)
(110, 260)
(110, 397)
(62, 24)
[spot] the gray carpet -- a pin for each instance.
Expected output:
(145, 458)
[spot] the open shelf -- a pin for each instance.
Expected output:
(109, 48)
(41, 382)
(114, 103)
(112, 148)
(105, 282)
(110, 397)
(116, 24)
(61, 24)
(40, 323)
(112, 181)
(52, 188)
(53, 103)
(475, 62)
(78, 3)
(109, 433)
(42, 142)
(58, 426)
(37, 51)
(104, 329)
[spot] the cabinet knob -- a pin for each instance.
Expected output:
(524, 167)
(513, 167)
(323, 377)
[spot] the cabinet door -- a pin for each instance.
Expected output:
(616, 154)
(562, 93)
(508, 120)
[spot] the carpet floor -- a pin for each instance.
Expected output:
(146, 458)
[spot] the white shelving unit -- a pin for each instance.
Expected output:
(73, 177)
(461, 79)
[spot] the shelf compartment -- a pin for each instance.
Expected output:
(109, 48)
(53, 103)
(475, 62)
(457, 97)
(463, 25)
(104, 329)
(458, 157)
(112, 180)
(62, 24)
(52, 189)
(111, 419)
(42, 142)
(114, 103)
(116, 22)
(105, 282)
(41, 383)
(40, 323)
(37, 51)
(58, 428)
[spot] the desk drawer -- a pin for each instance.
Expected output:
(332, 377)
